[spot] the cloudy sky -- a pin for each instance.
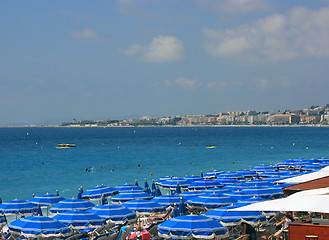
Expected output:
(126, 58)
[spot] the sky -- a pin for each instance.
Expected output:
(63, 60)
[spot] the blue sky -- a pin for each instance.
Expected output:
(125, 58)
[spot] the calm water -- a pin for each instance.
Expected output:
(30, 162)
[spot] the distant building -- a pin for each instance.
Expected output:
(284, 119)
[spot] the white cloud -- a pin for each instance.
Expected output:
(86, 34)
(186, 83)
(300, 32)
(160, 49)
(235, 5)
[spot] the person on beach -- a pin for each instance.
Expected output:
(283, 224)
(249, 230)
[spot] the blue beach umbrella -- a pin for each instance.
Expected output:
(128, 187)
(192, 226)
(227, 181)
(191, 194)
(213, 174)
(130, 195)
(234, 187)
(39, 227)
(146, 187)
(98, 192)
(251, 200)
(210, 200)
(143, 206)
(230, 175)
(17, 207)
(46, 200)
(203, 184)
(71, 205)
(262, 168)
(233, 218)
(237, 195)
(172, 183)
(261, 192)
(115, 213)
(217, 190)
(193, 178)
(167, 200)
(79, 219)
(247, 173)
(153, 189)
(258, 183)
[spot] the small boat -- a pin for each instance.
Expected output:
(211, 147)
(65, 145)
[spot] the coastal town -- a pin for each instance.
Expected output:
(314, 115)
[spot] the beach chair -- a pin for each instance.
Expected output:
(243, 237)
(158, 218)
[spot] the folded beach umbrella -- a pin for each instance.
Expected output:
(191, 194)
(39, 227)
(181, 207)
(79, 219)
(130, 195)
(17, 207)
(143, 206)
(167, 200)
(203, 184)
(136, 183)
(158, 192)
(71, 205)
(178, 189)
(233, 218)
(191, 227)
(46, 200)
(213, 174)
(128, 187)
(210, 200)
(172, 183)
(115, 213)
(80, 193)
(146, 187)
(153, 189)
(175, 211)
(98, 192)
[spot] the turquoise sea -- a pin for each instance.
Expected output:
(30, 163)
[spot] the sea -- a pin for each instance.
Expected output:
(31, 164)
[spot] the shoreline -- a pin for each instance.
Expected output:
(170, 126)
